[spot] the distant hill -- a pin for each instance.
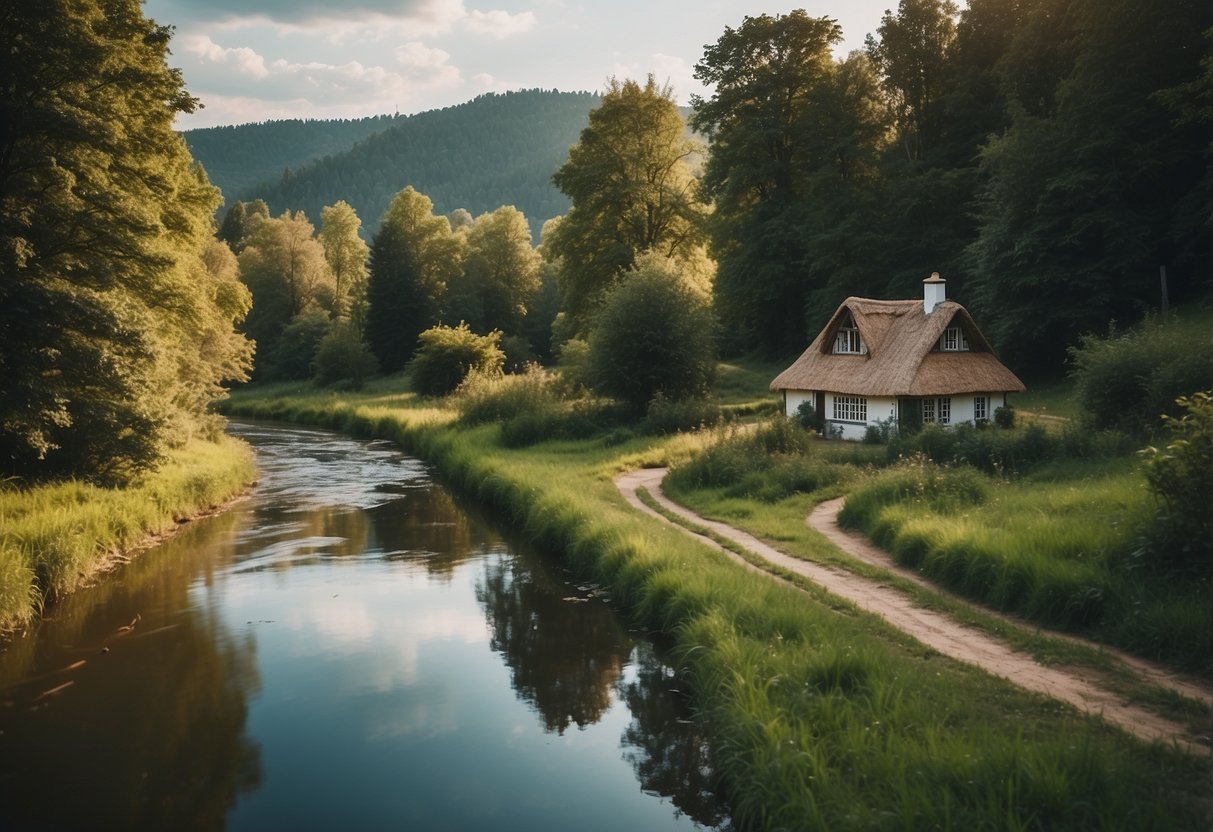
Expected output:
(498, 149)
(239, 158)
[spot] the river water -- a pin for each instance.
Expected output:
(350, 647)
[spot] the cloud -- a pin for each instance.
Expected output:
(427, 65)
(499, 24)
(237, 84)
(304, 13)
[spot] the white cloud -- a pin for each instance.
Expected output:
(241, 60)
(427, 65)
(499, 24)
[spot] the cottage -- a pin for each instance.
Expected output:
(897, 362)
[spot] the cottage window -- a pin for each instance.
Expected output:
(847, 340)
(937, 410)
(850, 409)
(981, 407)
(953, 340)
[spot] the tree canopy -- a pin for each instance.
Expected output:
(632, 189)
(110, 282)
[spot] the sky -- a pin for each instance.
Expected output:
(258, 60)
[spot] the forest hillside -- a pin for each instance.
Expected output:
(496, 149)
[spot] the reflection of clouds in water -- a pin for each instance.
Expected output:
(427, 713)
(391, 621)
(304, 469)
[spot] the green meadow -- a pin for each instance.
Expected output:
(57, 538)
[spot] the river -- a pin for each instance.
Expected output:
(349, 647)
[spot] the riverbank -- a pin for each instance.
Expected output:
(55, 539)
(820, 715)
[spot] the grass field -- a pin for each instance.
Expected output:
(56, 538)
(820, 717)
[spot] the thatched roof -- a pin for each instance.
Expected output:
(899, 337)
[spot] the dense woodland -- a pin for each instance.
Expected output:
(238, 158)
(1049, 157)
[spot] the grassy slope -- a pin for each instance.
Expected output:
(56, 538)
(820, 717)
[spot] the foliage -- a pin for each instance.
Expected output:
(500, 276)
(343, 356)
(1009, 452)
(806, 415)
(447, 354)
(632, 192)
(1089, 192)
(115, 335)
(294, 352)
(1180, 475)
(1127, 380)
(769, 464)
(346, 253)
(285, 269)
(413, 257)
(653, 335)
(1004, 417)
(665, 416)
(487, 396)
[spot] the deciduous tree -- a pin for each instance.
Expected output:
(632, 189)
(105, 293)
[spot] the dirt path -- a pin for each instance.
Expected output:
(934, 629)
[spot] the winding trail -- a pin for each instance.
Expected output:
(937, 630)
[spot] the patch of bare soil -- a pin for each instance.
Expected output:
(937, 630)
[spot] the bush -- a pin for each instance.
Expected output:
(1181, 476)
(667, 416)
(343, 355)
(1004, 417)
(806, 415)
(447, 354)
(652, 335)
(485, 396)
(1126, 381)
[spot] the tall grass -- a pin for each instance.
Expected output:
(55, 538)
(1062, 549)
(817, 720)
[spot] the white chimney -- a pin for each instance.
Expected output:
(933, 292)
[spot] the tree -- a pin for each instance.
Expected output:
(1084, 200)
(632, 192)
(413, 258)
(239, 221)
(911, 55)
(500, 273)
(105, 224)
(763, 75)
(653, 335)
(346, 253)
(284, 267)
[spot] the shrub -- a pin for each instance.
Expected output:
(447, 354)
(1126, 381)
(1181, 476)
(343, 355)
(666, 416)
(653, 334)
(806, 415)
(486, 396)
(1004, 417)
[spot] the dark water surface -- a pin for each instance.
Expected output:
(348, 648)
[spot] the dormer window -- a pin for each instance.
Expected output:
(953, 340)
(847, 341)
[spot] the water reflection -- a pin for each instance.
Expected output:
(351, 647)
(140, 750)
